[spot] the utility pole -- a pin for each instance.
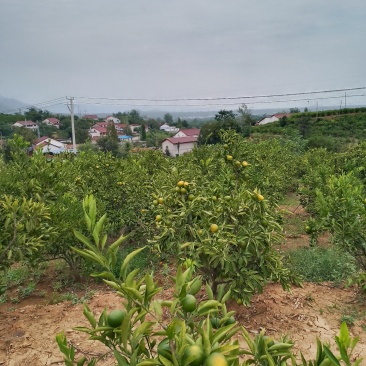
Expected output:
(345, 99)
(316, 109)
(71, 109)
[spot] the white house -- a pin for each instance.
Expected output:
(52, 121)
(27, 124)
(49, 146)
(273, 118)
(175, 146)
(112, 119)
(192, 132)
(165, 127)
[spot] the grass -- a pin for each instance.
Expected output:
(321, 265)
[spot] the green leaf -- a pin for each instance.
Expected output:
(331, 356)
(122, 361)
(127, 260)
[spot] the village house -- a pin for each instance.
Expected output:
(52, 121)
(165, 127)
(26, 124)
(192, 132)
(175, 146)
(49, 146)
(112, 119)
(93, 117)
(273, 118)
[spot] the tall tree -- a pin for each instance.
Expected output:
(224, 120)
(246, 120)
(168, 118)
(134, 117)
(143, 133)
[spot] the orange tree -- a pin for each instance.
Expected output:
(226, 229)
(192, 328)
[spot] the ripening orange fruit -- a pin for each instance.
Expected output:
(214, 228)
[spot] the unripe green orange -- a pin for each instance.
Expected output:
(189, 303)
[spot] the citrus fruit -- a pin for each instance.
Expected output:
(244, 163)
(189, 303)
(191, 197)
(229, 157)
(226, 146)
(216, 359)
(158, 218)
(214, 198)
(155, 202)
(237, 163)
(180, 183)
(260, 197)
(183, 191)
(195, 286)
(214, 228)
(195, 353)
(160, 201)
(115, 318)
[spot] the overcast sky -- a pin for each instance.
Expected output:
(166, 49)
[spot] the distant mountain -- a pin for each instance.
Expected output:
(10, 106)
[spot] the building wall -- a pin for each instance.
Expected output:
(268, 120)
(173, 148)
(180, 134)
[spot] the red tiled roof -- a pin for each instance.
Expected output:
(90, 116)
(191, 131)
(53, 120)
(280, 115)
(181, 140)
(100, 129)
(41, 139)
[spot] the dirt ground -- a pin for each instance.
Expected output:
(28, 329)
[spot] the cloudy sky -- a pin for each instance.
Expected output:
(170, 49)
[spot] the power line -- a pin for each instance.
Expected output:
(221, 104)
(39, 105)
(227, 98)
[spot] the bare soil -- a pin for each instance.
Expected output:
(28, 328)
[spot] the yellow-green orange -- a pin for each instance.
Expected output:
(216, 359)
(189, 303)
(214, 228)
(195, 353)
(244, 163)
(158, 218)
(229, 157)
(180, 183)
(160, 201)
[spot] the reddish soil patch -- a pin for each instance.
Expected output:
(27, 334)
(28, 329)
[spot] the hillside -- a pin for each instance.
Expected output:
(334, 130)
